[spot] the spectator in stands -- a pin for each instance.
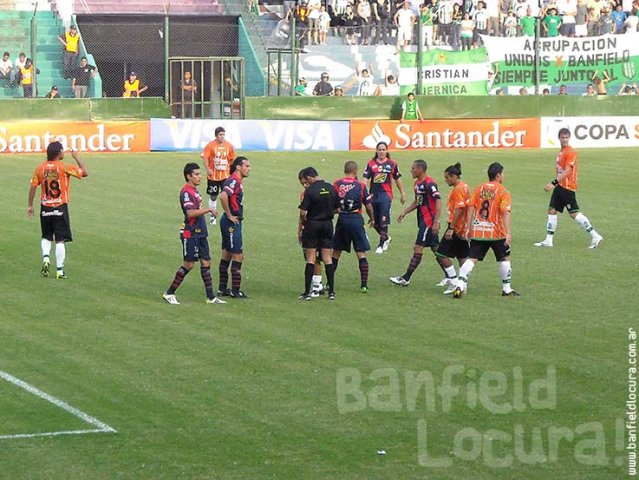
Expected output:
(54, 93)
(390, 87)
(323, 88)
(481, 23)
(27, 76)
(567, 11)
(551, 23)
(581, 16)
(382, 16)
(339, 91)
(81, 77)
(426, 16)
(404, 21)
(133, 87)
(618, 19)
(445, 18)
(22, 59)
(593, 7)
(600, 82)
(349, 20)
(458, 16)
(504, 11)
(301, 24)
(523, 91)
(527, 24)
(590, 91)
(605, 21)
(511, 25)
(188, 91)
(300, 88)
(6, 69)
(563, 90)
(364, 13)
(313, 21)
(631, 23)
(70, 40)
(324, 24)
(492, 11)
(628, 90)
(545, 91)
(366, 82)
(520, 8)
(467, 32)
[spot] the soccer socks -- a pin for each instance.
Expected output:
(505, 273)
(236, 275)
(363, 271)
(414, 263)
(550, 228)
(450, 272)
(45, 245)
(179, 278)
(335, 263)
(464, 272)
(383, 235)
(330, 277)
(208, 282)
(308, 277)
(60, 255)
(582, 220)
(223, 270)
(317, 281)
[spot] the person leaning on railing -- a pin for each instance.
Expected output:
(133, 87)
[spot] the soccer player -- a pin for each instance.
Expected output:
(564, 187)
(380, 172)
(488, 227)
(231, 228)
(353, 195)
(53, 177)
(193, 234)
(317, 210)
(428, 203)
(218, 155)
(452, 244)
(317, 287)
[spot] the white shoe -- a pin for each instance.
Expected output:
(399, 281)
(386, 244)
(213, 220)
(379, 250)
(446, 282)
(595, 242)
(315, 293)
(451, 289)
(172, 299)
(545, 243)
(216, 300)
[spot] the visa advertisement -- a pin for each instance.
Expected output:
(250, 135)
(591, 132)
(429, 134)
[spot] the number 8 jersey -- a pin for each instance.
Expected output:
(53, 177)
(490, 200)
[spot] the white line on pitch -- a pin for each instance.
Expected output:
(51, 434)
(101, 426)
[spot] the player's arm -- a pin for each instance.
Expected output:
(552, 184)
(419, 112)
(457, 215)
(505, 218)
(300, 224)
(402, 192)
(80, 163)
(224, 200)
(32, 192)
(403, 112)
(470, 213)
(406, 211)
(436, 218)
(371, 215)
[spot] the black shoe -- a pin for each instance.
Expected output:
(305, 297)
(331, 295)
(512, 293)
(224, 293)
(238, 294)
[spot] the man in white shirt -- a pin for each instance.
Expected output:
(404, 21)
(568, 10)
(366, 81)
(6, 68)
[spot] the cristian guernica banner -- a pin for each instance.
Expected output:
(563, 59)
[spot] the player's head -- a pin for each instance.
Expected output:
(418, 168)
(452, 174)
(495, 171)
(350, 167)
(55, 151)
(192, 173)
(307, 176)
(381, 151)
(564, 137)
(241, 165)
(220, 134)
(411, 96)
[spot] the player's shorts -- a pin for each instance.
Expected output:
(55, 223)
(231, 235)
(454, 248)
(562, 197)
(479, 248)
(214, 187)
(318, 234)
(382, 212)
(350, 229)
(426, 237)
(194, 247)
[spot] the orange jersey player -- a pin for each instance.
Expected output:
(454, 244)
(564, 188)
(488, 227)
(53, 177)
(218, 155)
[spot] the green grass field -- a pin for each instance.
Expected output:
(256, 389)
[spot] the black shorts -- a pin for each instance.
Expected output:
(562, 197)
(382, 212)
(318, 234)
(426, 237)
(214, 187)
(479, 248)
(350, 229)
(454, 248)
(195, 248)
(55, 223)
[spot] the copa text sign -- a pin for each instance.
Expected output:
(250, 135)
(591, 132)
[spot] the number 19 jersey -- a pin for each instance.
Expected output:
(490, 200)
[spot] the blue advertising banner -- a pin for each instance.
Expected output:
(250, 135)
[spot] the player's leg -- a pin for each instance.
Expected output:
(223, 272)
(316, 284)
(62, 234)
(327, 258)
(189, 254)
(363, 271)
(502, 255)
(556, 205)
(476, 253)
(46, 242)
(418, 249)
(310, 254)
(361, 245)
(236, 276)
(582, 220)
(213, 190)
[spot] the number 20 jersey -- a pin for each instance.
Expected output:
(490, 200)
(53, 178)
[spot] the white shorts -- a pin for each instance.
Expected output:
(581, 30)
(404, 34)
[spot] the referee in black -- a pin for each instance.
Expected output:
(317, 209)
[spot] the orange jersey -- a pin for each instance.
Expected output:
(490, 201)
(458, 198)
(219, 157)
(53, 178)
(567, 157)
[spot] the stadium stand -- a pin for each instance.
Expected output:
(174, 7)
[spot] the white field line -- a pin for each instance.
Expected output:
(101, 427)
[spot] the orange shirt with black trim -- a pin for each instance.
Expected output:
(567, 157)
(490, 201)
(54, 179)
(458, 198)
(218, 157)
